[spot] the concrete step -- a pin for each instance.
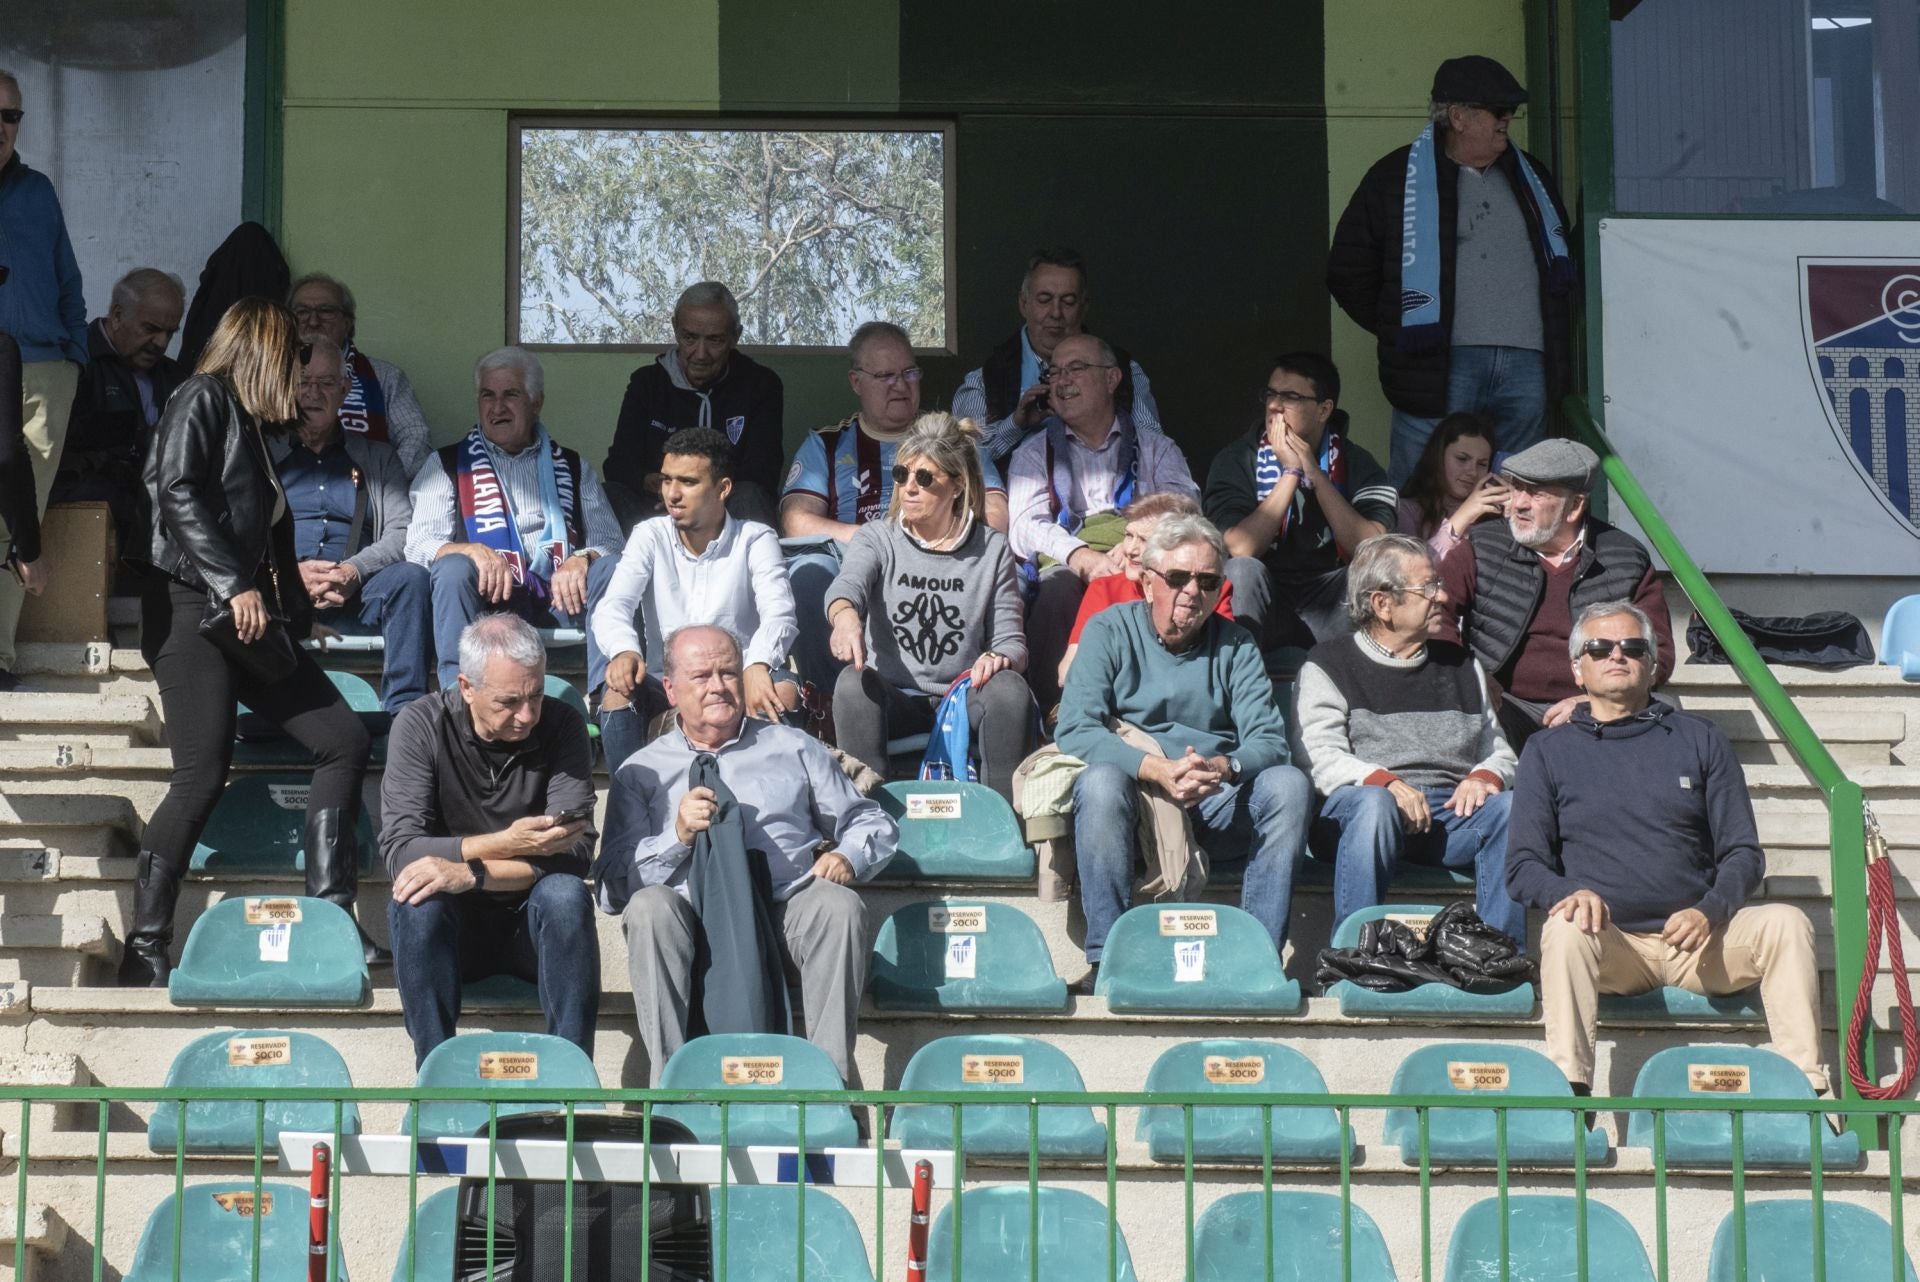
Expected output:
(1855, 738)
(45, 1237)
(78, 715)
(50, 950)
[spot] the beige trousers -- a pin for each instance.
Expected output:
(1767, 944)
(46, 390)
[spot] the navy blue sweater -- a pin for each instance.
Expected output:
(1650, 813)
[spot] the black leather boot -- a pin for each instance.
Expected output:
(333, 871)
(143, 959)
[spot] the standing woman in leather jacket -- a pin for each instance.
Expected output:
(223, 536)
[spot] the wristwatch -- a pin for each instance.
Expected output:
(1233, 770)
(478, 867)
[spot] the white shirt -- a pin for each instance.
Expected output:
(738, 583)
(1096, 472)
(436, 509)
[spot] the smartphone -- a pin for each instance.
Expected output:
(577, 814)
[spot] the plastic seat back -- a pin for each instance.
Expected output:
(1859, 1244)
(771, 1061)
(1000, 1244)
(1426, 999)
(271, 951)
(763, 1237)
(264, 743)
(963, 956)
(249, 1059)
(996, 1063)
(1709, 1073)
(1900, 637)
(1485, 1071)
(954, 830)
(1543, 1243)
(260, 824)
(496, 1061)
(1193, 958)
(215, 1230)
(429, 1244)
(1230, 1241)
(1236, 1133)
(1671, 1005)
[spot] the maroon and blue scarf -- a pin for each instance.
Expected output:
(486, 510)
(365, 409)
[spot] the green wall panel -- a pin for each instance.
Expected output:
(812, 55)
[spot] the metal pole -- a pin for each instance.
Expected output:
(917, 1232)
(317, 1208)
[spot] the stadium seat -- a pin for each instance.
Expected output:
(1428, 999)
(216, 1225)
(1543, 1242)
(275, 951)
(436, 1220)
(1859, 1244)
(1678, 1006)
(264, 743)
(996, 1064)
(1235, 1133)
(954, 831)
(769, 1060)
(494, 1061)
(500, 992)
(553, 638)
(997, 1223)
(558, 687)
(921, 960)
(260, 825)
(1486, 1071)
(1900, 637)
(1194, 958)
(1230, 1242)
(762, 1241)
(246, 1059)
(1706, 1139)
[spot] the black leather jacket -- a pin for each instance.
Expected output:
(212, 489)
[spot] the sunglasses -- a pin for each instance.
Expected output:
(923, 477)
(306, 353)
(1179, 579)
(1636, 648)
(11, 115)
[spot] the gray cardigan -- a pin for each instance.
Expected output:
(389, 510)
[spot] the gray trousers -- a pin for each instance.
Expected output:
(824, 928)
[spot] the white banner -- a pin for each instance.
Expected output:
(1763, 382)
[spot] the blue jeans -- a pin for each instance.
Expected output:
(1359, 828)
(812, 566)
(545, 935)
(1260, 824)
(1506, 385)
(456, 603)
(397, 602)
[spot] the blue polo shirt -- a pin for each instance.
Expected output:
(320, 490)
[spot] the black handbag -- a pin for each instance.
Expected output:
(1829, 641)
(272, 657)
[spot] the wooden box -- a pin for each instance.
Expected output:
(79, 539)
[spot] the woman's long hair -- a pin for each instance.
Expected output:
(952, 445)
(1427, 487)
(255, 350)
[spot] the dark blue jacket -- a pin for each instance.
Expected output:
(41, 304)
(1650, 813)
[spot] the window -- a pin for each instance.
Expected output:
(814, 230)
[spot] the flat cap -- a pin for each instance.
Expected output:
(1479, 80)
(1554, 462)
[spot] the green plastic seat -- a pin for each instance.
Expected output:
(216, 1235)
(1467, 1136)
(457, 1064)
(1678, 1006)
(500, 992)
(1427, 999)
(996, 1064)
(1237, 967)
(1542, 1242)
(783, 1063)
(1706, 1139)
(1236, 1133)
(275, 1058)
(435, 1222)
(558, 687)
(1230, 1241)
(1859, 1244)
(263, 743)
(225, 962)
(955, 832)
(915, 961)
(762, 1240)
(1319, 872)
(260, 824)
(1000, 1244)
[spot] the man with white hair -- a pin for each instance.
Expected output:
(379, 404)
(506, 518)
(487, 830)
(1195, 683)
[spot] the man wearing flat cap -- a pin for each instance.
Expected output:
(1515, 586)
(1454, 253)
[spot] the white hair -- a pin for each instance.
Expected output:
(520, 361)
(507, 635)
(1379, 565)
(1177, 530)
(321, 345)
(142, 283)
(1608, 610)
(710, 293)
(333, 283)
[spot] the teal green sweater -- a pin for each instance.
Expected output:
(1214, 697)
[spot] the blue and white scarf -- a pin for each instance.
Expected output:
(1267, 471)
(1060, 474)
(486, 510)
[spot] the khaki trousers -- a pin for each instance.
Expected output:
(1767, 944)
(46, 392)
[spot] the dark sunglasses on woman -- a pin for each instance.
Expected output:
(923, 477)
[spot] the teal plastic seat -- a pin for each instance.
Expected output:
(500, 992)
(1427, 999)
(430, 1242)
(915, 960)
(999, 1243)
(996, 1064)
(762, 1241)
(260, 824)
(457, 1064)
(954, 831)
(1859, 1244)
(796, 1063)
(265, 744)
(1678, 1006)
(225, 962)
(1542, 1242)
(1900, 637)
(247, 1059)
(1706, 1139)
(1236, 1133)
(216, 1235)
(1230, 1242)
(558, 687)
(1237, 969)
(1466, 1136)
(1319, 872)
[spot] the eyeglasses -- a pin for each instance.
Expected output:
(923, 477)
(1635, 648)
(320, 384)
(1179, 579)
(1278, 397)
(893, 378)
(318, 312)
(1430, 589)
(1054, 373)
(11, 115)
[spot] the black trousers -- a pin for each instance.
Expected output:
(198, 689)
